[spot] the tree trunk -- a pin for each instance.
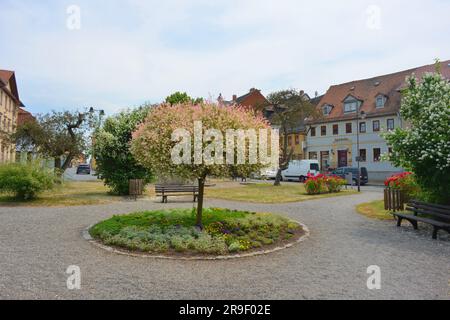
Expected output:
(278, 178)
(57, 164)
(201, 192)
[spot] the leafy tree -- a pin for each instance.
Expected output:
(58, 135)
(111, 150)
(290, 108)
(182, 97)
(424, 145)
(153, 142)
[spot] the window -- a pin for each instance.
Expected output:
(390, 124)
(362, 127)
(313, 132)
(297, 139)
(390, 150)
(289, 140)
(313, 155)
(323, 130)
(376, 154)
(380, 101)
(376, 125)
(362, 155)
(335, 129)
(351, 105)
(327, 109)
(348, 128)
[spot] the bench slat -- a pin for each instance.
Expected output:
(432, 205)
(429, 211)
(422, 206)
(421, 219)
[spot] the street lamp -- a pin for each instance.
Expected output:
(362, 115)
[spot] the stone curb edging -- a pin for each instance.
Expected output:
(88, 237)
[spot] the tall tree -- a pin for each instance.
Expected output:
(58, 135)
(111, 149)
(290, 109)
(182, 97)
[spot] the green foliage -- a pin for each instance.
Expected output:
(111, 150)
(225, 231)
(25, 181)
(182, 97)
(55, 135)
(424, 145)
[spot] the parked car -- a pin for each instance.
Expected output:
(342, 172)
(84, 169)
(270, 174)
(299, 170)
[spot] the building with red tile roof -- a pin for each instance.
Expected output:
(332, 139)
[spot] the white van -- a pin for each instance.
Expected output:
(298, 170)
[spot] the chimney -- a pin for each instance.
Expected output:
(234, 97)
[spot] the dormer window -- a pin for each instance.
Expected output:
(327, 109)
(380, 101)
(351, 104)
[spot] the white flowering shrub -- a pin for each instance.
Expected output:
(424, 145)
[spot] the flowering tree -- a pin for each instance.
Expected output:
(164, 144)
(424, 146)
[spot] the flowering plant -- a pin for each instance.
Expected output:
(321, 183)
(423, 146)
(405, 182)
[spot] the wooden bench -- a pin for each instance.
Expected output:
(166, 191)
(436, 215)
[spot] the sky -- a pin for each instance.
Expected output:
(115, 54)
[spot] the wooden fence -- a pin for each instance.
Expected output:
(394, 200)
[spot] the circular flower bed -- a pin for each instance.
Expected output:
(225, 232)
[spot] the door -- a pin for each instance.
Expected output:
(325, 160)
(342, 158)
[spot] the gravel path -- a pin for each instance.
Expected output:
(38, 244)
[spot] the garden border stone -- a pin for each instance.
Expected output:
(86, 235)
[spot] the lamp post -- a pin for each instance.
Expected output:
(362, 115)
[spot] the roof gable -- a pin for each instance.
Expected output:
(368, 90)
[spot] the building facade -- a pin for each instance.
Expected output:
(361, 109)
(256, 100)
(9, 110)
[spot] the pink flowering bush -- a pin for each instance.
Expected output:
(152, 143)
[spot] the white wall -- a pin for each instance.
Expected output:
(368, 141)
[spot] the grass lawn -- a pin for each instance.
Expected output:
(268, 193)
(68, 194)
(173, 231)
(374, 210)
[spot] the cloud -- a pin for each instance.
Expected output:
(132, 51)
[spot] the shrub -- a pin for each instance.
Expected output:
(25, 181)
(322, 184)
(334, 183)
(406, 182)
(315, 185)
